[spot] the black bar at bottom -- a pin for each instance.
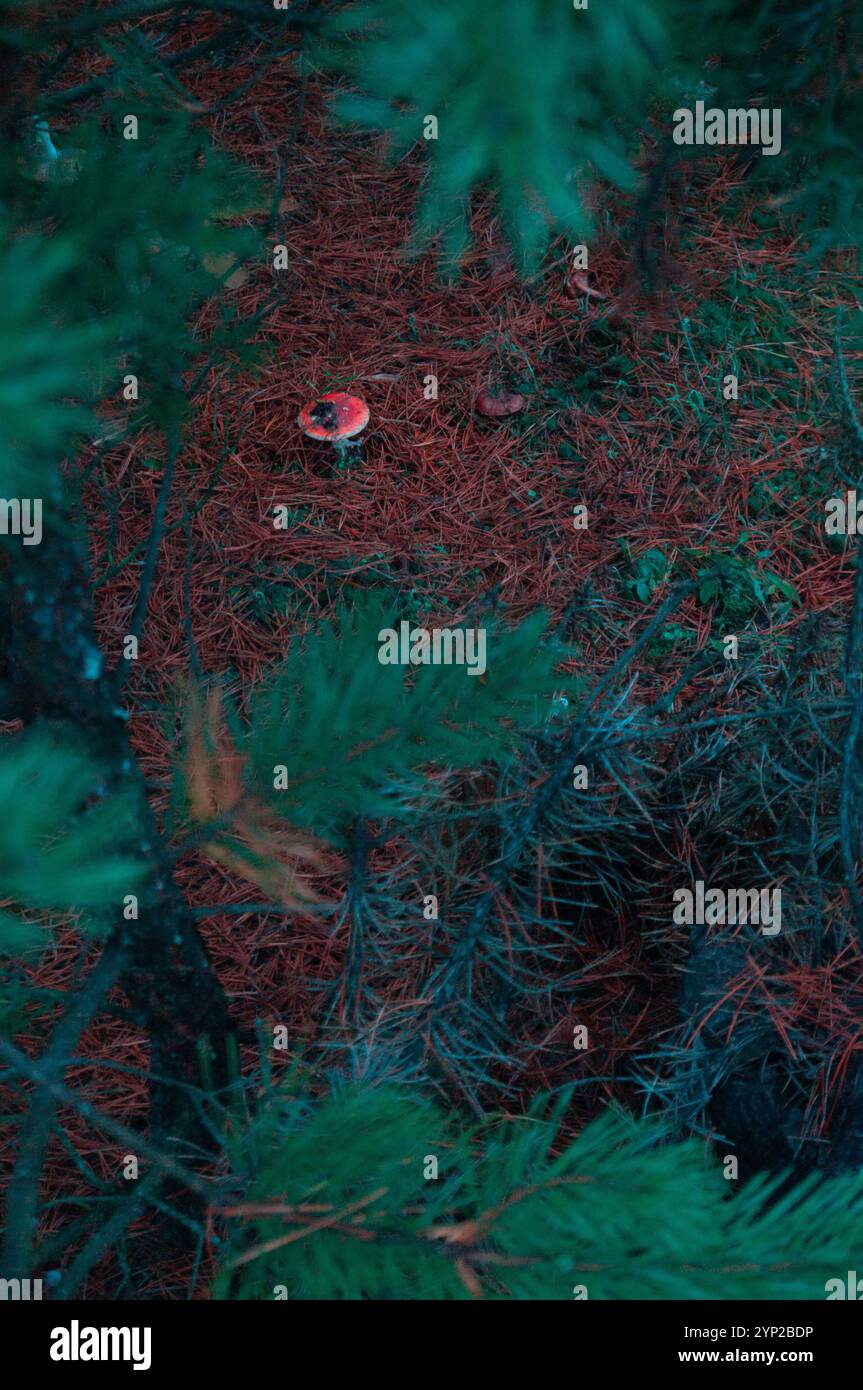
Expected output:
(226, 1339)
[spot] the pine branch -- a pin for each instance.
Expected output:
(582, 739)
(166, 973)
(134, 1141)
(22, 1195)
(157, 528)
(514, 1211)
(104, 1240)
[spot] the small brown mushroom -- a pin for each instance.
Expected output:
(504, 403)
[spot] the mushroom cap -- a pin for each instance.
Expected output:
(504, 403)
(334, 417)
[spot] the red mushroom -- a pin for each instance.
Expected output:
(337, 418)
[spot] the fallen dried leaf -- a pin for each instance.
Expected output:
(258, 845)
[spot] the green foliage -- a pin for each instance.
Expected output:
(515, 1212)
(143, 250)
(650, 569)
(532, 96)
(352, 1146)
(541, 102)
(16, 989)
(806, 60)
(43, 362)
(354, 734)
(737, 587)
(60, 834)
(107, 254)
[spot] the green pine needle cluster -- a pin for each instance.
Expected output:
(61, 828)
(43, 361)
(355, 735)
(109, 251)
(515, 1211)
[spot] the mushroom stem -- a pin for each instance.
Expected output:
(342, 446)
